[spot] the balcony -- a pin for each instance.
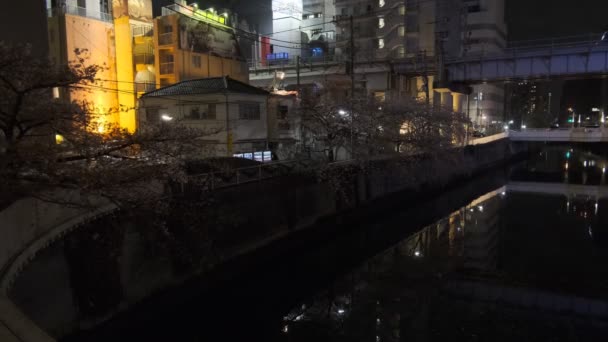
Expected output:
(166, 68)
(79, 11)
(165, 38)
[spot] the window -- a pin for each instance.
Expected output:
(55, 92)
(474, 9)
(316, 31)
(261, 156)
(401, 52)
(401, 31)
(153, 115)
(196, 61)
(381, 3)
(380, 43)
(318, 15)
(249, 111)
(204, 112)
(283, 111)
(344, 11)
(380, 22)
(401, 9)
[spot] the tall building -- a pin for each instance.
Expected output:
(193, 43)
(398, 48)
(86, 25)
(286, 24)
(116, 35)
(318, 28)
(485, 32)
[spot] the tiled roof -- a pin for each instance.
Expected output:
(209, 85)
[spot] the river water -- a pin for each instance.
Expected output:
(514, 254)
(525, 261)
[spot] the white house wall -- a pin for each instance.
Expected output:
(247, 135)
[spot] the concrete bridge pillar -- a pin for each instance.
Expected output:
(458, 102)
(443, 98)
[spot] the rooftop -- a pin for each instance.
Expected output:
(211, 85)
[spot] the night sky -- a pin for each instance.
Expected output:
(534, 19)
(526, 19)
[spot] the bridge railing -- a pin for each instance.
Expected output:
(591, 38)
(514, 48)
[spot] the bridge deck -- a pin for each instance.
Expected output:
(561, 135)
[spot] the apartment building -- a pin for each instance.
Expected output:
(193, 42)
(318, 28)
(116, 35)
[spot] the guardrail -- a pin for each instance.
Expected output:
(79, 11)
(232, 177)
(578, 134)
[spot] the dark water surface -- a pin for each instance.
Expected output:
(518, 254)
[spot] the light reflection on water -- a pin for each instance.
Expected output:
(543, 235)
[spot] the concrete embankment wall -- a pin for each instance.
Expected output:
(248, 217)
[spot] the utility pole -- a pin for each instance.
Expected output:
(352, 57)
(352, 82)
(426, 80)
(298, 74)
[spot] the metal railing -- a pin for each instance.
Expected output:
(243, 175)
(79, 11)
(305, 62)
(566, 41)
(584, 42)
(144, 87)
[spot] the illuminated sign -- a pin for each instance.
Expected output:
(210, 15)
(277, 56)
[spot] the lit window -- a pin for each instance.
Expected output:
(381, 3)
(401, 31)
(381, 43)
(405, 128)
(380, 22)
(401, 52)
(55, 92)
(402, 10)
(59, 139)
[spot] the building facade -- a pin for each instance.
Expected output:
(398, 48)
(284, 124)
(116, 35)
(231, 115)
(195, 43)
